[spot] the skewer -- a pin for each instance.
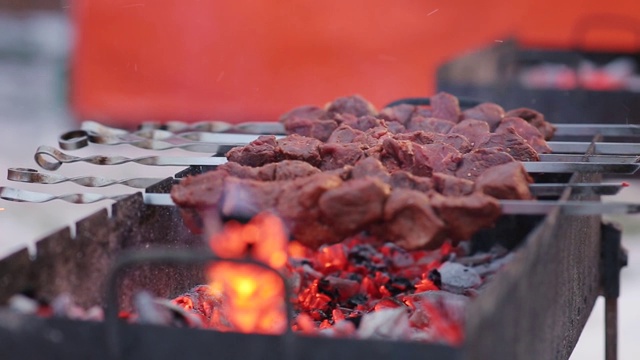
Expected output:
(35, 177)
(52, 159)
(511, 207)
(210, 142)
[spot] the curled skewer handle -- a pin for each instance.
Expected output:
(33, 176)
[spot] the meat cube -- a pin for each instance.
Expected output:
(310, 112)
(354, 205)
(344, 134)
(363, 123)
(354, 105)
(536, 119)
(420, 123)
(335, 156)
(370, 167)
(295, 147)
(283, 170)
(410, 222)
(445, 106)
(244, 198)
(405, 155)
(457, 141)
(261, 151)
(424, 111)
(440, 157)
(511, 143)
(473, 130)
(395, 127)
(404, 180)
(449, 185)
(465, 215)
(527, 131)
(399, 113)
(508, 181)
(478, 161)
(489, 112)
(301, 214)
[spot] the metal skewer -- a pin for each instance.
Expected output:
(51, 159)
(35, 177)
(59, 158)
(514, 207)
(209, 142)
(595, 129)
(156, 140)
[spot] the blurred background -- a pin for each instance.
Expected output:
(121, 62)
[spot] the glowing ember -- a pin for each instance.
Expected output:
(251, 298)
(341, 290)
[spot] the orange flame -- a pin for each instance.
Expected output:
(252, 297)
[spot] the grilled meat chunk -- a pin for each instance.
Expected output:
(508, 181)
(536, 119)
(491, 113)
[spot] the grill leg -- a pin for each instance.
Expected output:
(613, 258)
(611, 328)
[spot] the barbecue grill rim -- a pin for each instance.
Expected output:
(549, 223)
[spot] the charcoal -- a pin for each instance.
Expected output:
(397, 256)
(493, 266)
(452, 305)
(23, 304)
(435, 277)
(459, 276)
(387, 324)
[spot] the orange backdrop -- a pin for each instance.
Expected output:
(252, 60)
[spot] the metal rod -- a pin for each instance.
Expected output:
(521, 207)
(52, 159)
(595, 129)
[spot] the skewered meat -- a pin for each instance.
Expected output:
(526, 130)
(445, 106)
(489, 112)
(478, 161)
(421, 123)
(508, 141)
(323, 208)
(354, 105)
(507, 181)
(471, 129)
(536, 119)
